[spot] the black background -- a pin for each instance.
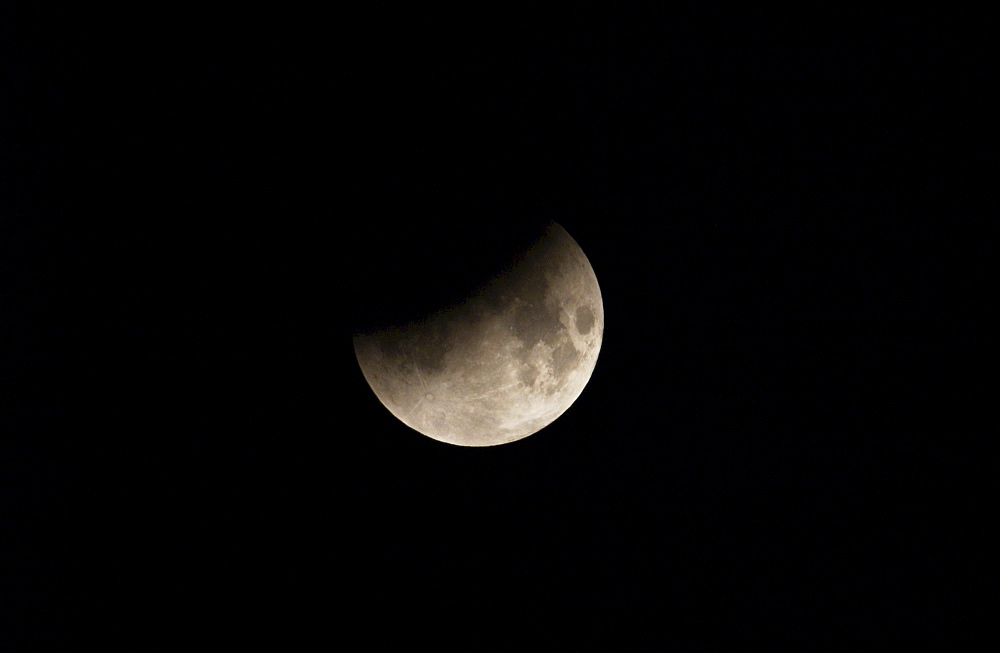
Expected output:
(778, 445)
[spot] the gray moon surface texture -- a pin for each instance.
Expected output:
(503, 364)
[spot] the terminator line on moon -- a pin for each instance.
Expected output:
(505, 363)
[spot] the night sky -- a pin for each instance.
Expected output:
(778, 446)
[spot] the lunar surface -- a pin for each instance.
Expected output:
(503, 364)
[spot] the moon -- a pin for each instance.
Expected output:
(504, 363)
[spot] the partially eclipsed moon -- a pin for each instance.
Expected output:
(505, 363)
